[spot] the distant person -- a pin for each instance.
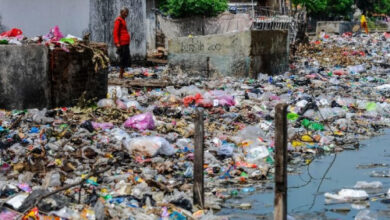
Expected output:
(322, 34)
(122, 40)
(363, 23)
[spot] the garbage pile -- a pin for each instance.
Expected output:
(55, 39)
(131, 155)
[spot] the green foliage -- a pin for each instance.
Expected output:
(374, 6)
(187, 8)
(340, 7)
(327, 8)
(312, 6)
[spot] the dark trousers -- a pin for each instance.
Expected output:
(124, 56)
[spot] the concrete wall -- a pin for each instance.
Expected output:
(229, 53)
(334, 27)
(72, 74)
(243, 54)
(24, 80)
(102, 16)
(36, 17)
(150, 25)
(269, 52)
(29, 79)
(222, 24)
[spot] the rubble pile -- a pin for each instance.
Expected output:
(130, 156)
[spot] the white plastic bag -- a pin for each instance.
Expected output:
(150, 146)
(368, 185)
(256, 154)
(348, 195)
(106, 103)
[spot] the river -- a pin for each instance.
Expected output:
(306, 192)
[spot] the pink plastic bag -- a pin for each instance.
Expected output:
(121, 104)
(54, 34)
(141, 122)
(102, 126)
(223, 98)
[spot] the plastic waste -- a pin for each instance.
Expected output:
(292, 116)
(66, 213)
(14, 32)
(17, 201)
(150, 146)
(388, 193)
(226, 150)
(370, 106)
(39, 116)
(368, 185)
(348, 195)
(102, 126)
(220, 98)
(141, 122)
(383, 173)
(248, 189)
(54, 34)
(9, 214)
(312, 125)
(106, 103)
(256, 154)
(53, 179)
(365, 215)
(120, 104)
(132, 104)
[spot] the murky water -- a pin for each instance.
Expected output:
(306, 195)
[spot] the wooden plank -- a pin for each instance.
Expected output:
(157, 60)
(280, 203)
(198, 190)
(156, 83)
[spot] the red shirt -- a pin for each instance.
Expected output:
(121, 35)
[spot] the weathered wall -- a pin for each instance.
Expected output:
(243, 54)
(2, 27)
(72, 74)
(150, 25)
(228, 53)
(334, 27)
(222, 24)
(29, 79)
(38, 16)
(102, 16)
(24, 81)
(269, 52)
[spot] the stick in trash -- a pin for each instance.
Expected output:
(198, 190)
(93, 173)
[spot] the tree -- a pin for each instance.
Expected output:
(374, 6)
(187, 8)
(312, 6)
(327, 8)
(340, 7)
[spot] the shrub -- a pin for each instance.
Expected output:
(187, 8)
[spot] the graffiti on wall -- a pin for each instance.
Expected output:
(197, 46)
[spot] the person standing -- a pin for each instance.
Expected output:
(363, 23)
(122, 40)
